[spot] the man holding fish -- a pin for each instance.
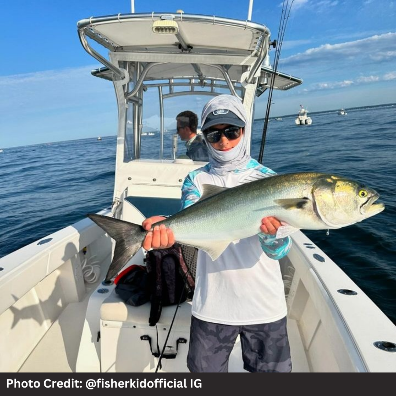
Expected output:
(239, 287)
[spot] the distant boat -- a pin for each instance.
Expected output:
(99, 138)
(342, 112)
(302, 117)
(1, 150)
(278, 118)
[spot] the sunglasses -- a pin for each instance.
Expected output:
(214, 135)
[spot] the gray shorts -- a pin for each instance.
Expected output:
(265, 347)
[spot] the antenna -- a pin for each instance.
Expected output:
(249, 18)
(286, 8)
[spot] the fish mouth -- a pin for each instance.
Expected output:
(369, 209)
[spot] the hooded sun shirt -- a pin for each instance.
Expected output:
(226, 161)
(244, 285)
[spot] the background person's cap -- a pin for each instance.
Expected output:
(222, 116)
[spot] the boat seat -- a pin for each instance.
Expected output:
(124, 324)
(114, 309)
(129, 344)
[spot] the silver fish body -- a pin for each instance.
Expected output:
(311, 201)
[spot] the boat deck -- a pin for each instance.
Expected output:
(58, 349)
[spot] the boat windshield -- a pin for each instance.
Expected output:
(156, 136)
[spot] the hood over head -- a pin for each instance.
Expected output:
(227, 109)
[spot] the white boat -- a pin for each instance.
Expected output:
(57, 315)
(99, 138)
(342, 112)
(302, 117)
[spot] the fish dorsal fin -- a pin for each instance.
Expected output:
(292, 203)
(209, 190)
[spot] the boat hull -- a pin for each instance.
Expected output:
(324, 329)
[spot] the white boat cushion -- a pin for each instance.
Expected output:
(114, 309)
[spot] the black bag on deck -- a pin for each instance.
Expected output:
(169, 280)
(132, 285)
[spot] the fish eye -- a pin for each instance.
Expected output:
(363, 193)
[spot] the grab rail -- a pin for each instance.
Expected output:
(120, 74)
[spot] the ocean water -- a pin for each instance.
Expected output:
(46, 187)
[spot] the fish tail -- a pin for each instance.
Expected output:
(128, 236)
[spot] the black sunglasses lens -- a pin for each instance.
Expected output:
(230, 133)
(213, 136)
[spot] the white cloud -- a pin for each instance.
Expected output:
(316, 6)
(361, 80)
(330, 85)
(322, 6)
(390, 76)
(378, 47)
(383, 56)
(367, 79)
(297, 4)
(56, 105)
(44, 77)
(52, 90)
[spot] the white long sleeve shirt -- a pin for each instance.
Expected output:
(244, 285)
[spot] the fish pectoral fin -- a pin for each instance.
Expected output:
(213, 248)
(285, 230)
(292, 203)
(208, 190)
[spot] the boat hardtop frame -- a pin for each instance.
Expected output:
(202, 55)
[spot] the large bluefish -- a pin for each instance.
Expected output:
(310, 201)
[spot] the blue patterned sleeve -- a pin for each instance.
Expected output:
(190, 193)
(274, 248)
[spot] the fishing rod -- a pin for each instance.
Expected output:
(286, 8)
(187, 262)
(159, 366)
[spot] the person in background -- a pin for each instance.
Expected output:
(187, 123)
(241, 292)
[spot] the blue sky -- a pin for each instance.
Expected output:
(344, 50)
